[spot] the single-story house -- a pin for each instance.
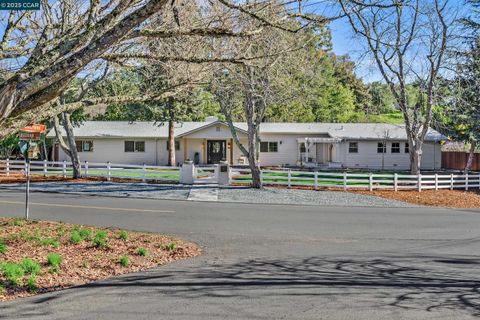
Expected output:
(347, 145)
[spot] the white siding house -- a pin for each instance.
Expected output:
(347, 145)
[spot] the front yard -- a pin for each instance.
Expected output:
(42, 256)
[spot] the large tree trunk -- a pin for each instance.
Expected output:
(171, 133)
(415, 151)
(471, 154)
(171, 143)
(69, 146)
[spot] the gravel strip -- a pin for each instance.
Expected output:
(307, 197)
(111, 189)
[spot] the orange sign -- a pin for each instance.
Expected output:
(35, 128)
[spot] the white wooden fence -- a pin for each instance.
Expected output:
(370, 181)
(105, 170)
(288, 178)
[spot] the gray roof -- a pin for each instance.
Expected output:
(360, 131)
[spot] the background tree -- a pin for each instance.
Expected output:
(407, 40)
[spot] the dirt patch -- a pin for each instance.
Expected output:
(83, 258)
(438, 198)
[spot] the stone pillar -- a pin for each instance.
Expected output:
(187, 174)
(223, 173)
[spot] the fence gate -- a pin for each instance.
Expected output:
(206, 174)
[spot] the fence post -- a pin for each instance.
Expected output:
(8, 167)
(109, 171)
(86, 168)
(478, 186)
(466, 181)
(419, 183)
(261, 176)
(45, 168)
(144, 172)
(436, 181)
(289, 178)
(370, 181)
(395, 182)
(451, 181)
(344, 181)
(64, 169)
(316, 180)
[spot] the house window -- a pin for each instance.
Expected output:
(134, 146)
(177, 145)
(217, 128)
(84, 145)
(353, 147)
(381, 147)
(395, 147)
(407, 148)
(268, 146)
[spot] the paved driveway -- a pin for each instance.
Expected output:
(274, 262)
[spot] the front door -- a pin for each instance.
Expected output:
(216, 151)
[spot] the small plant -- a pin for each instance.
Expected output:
(2, 288)
(142, 252)
(100, 239)
(170, 247)
(32, 283)
(85, 234)
(17, 222)
(3, 247)
(54, 260)
(123, 235)
(124, 261)
(30, 266)
(13, 272)
(50, 242)
(75, 237)
(84, 264)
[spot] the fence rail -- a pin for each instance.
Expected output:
(104, 170)
(370, 181)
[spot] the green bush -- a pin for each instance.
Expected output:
(30, 266)
(50, 242)
(170, 247)
(124, 261)
(3, 247)
(100, 239)
(123, 235)
(85, 234)
(75, 237)
(13, 272)
(54, 260)
(32, 283)
(142, 252)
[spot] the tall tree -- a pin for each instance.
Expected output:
(407, 40)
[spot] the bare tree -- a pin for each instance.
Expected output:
(44, 51)
(69, 146)
(407, 39)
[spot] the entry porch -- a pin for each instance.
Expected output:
(319, 152)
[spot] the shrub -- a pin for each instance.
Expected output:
(3, 247)
(170, 247)
(32, 283)
(75, 237)
(142, 252)
(124, 261)
(2, 288)
(85, 234)
(50, 242)
(100, 239)
(30, 266)
(17, 222)
(54, 260)
(13, 272)
(123, 235)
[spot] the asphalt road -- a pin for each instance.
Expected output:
(273, 262)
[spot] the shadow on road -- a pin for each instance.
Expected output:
(421, 283)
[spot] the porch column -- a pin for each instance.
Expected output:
(204, 151)
(184, 149)
(231, 151)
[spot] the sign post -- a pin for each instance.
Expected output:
(28, 134)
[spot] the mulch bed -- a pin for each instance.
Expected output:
(439, 198)
(82, 262)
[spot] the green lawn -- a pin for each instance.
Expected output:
(166, 174)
